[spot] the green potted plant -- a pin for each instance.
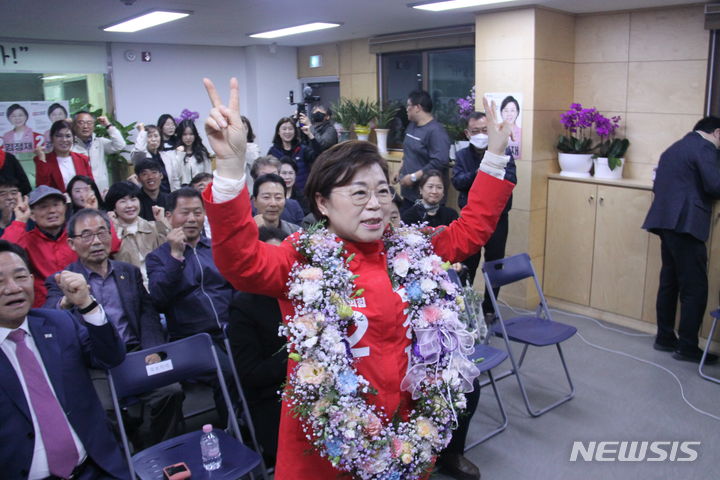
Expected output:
(386, 113)
(610, 151)
(575, 145)
(343, 115)
(362, 112)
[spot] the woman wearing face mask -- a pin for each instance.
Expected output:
(428, 208)
(286, 143)
(148, 145)
(349, 189)
(193, 158)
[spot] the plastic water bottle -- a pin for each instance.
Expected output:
(210, 448)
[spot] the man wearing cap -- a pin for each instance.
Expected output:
(46, 244)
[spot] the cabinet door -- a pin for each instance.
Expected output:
(620, 258)
(569, 244)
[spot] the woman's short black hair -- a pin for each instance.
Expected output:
(54, 107)
(337, 166)
(268, 178)
(120, 190)
(59, 125)
(427, 176)
(16, 106)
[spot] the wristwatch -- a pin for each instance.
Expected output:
(90, 307)
(413, 177)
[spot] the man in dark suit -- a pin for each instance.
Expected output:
(118, 287)
(686, 183)
(53, 425)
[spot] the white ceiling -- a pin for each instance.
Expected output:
(228, 22)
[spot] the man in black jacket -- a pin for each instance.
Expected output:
(686, 183)
(118, 287)
(260, 356)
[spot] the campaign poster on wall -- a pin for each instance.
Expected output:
(508, 108)
(26, 124)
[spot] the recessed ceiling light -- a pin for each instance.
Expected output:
(146, 20)
(283, 32)
(453, 4)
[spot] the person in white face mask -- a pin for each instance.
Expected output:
(467, 162)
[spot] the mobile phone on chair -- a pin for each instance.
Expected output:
(178, 471)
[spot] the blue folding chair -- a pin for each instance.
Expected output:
(538, 330)
(186, 358)
(715, 314)
(491, 358)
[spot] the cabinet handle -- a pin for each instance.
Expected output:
(591, 198)
(601, 200)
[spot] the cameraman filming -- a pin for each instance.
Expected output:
(319, 129)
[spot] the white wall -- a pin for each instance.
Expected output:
(270, 76)
(172, 81)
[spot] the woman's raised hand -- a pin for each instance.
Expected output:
(498, 132)
(226, 131)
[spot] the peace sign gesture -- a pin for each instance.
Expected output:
(498, 132)
(226, 131)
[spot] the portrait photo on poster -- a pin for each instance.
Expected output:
(26, 124)
(508, 107)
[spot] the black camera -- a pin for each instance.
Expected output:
(308, 99)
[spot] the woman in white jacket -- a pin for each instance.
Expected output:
(192, 156)
(147, 145)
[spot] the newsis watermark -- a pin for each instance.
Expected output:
(635, 451)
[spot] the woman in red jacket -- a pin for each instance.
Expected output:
(58, 167)
(367, 374)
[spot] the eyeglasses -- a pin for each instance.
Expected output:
(360, 196)
(60, 135)
(87, 237)
(89, 123)
(81, 189)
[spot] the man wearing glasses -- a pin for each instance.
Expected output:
(118, 288)
(96, 148)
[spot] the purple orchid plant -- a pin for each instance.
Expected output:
(580, 123)
(187, 115)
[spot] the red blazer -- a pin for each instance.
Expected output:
(48, 172)
(380, 346)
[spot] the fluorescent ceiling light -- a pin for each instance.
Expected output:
(284, 32)
(453, 4)
(146, 20)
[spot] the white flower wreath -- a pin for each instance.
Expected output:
(326, 392)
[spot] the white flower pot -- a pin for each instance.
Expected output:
(602, 170)
(381, 136)
(575, 165)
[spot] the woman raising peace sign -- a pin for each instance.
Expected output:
(373, 323)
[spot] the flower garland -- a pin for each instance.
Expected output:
(329, 396)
